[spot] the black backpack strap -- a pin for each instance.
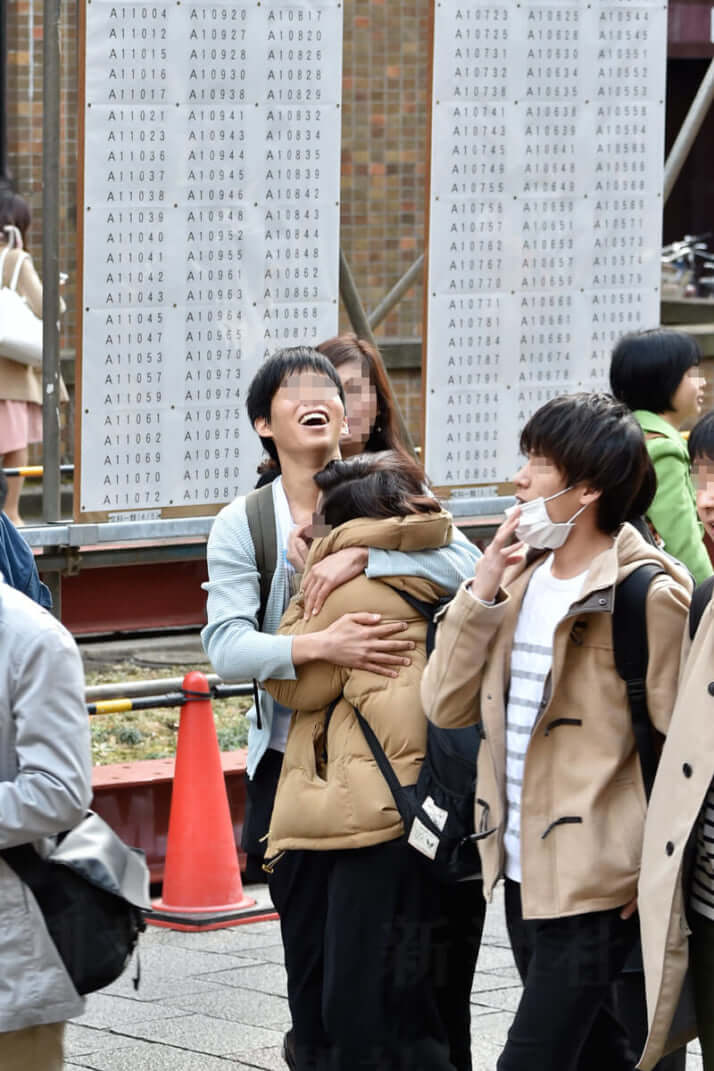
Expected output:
(260, 514)
(385, 767)
(700, 600)
(428, 610)
(629, 633)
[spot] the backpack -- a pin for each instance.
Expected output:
(629, 640)
(260, 515)
(700, 600)
(92, 890)
(438, 811)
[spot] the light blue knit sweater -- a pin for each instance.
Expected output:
(239, 652)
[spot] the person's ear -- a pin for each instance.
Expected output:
(262, 427)
(588, 495)
(345, 429)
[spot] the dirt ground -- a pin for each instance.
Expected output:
(151, 734)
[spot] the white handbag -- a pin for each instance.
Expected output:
(20, 329)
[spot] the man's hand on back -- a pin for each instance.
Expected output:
(359, 641)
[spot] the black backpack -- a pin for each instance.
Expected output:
(438, 812)
(700, 600)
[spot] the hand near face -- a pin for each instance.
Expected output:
(498, 555)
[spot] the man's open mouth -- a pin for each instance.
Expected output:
(314, 419)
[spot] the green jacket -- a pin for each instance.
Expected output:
(674, 511)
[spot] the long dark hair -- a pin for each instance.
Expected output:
(15, 212)
(385, 484)
(343, 349)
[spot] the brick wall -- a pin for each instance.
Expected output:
(383, 159)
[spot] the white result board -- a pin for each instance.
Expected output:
(545, 209)
(210, 221)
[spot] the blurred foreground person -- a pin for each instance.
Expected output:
(677, 877)
(45, 788)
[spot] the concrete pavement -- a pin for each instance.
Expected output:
(213, 1001)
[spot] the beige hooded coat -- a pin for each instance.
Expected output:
(683, 777)
(581, 762)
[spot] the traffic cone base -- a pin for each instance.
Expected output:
(249, 909)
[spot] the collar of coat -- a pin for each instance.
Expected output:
(655, 424)
(628, 551)
(418, 531)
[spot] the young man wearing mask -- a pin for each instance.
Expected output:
(526, 648)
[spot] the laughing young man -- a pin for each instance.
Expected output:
(526, 649)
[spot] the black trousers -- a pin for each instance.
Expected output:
(260, 796)
(455, 947)
(565, 1020)
(358, 932)
(630, 1007)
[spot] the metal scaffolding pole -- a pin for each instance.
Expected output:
(395, 295)
(688, 131)
(50, 261)
(5, 182)
(50, 274)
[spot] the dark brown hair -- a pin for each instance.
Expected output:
(342, 349)
(14, 211)
(594, 439)
(384, 484)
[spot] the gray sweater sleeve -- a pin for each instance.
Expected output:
(237, 650)
(448, 566)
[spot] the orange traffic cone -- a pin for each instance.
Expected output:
(202, 886)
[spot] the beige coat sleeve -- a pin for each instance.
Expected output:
(667, 621)
(317, 683)
(452, 678)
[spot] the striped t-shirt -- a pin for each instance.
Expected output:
(702, 887)
(545, 604)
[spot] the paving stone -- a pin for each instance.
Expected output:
(269, 954)
(205, 1034)
(145, 1056)
(267, 1059)
(234, 942)
(105, 1010)
(506, 999)
(501, 979)
(238, 1005)
(267, 978)
(492, 957)
(163, 965)
(79, 1040)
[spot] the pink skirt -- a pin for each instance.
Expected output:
(20, 424)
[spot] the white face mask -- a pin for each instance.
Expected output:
(535, 526)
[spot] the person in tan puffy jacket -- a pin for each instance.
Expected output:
(358, 917)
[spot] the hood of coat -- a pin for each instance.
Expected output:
(629, 550)
(418, 531)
